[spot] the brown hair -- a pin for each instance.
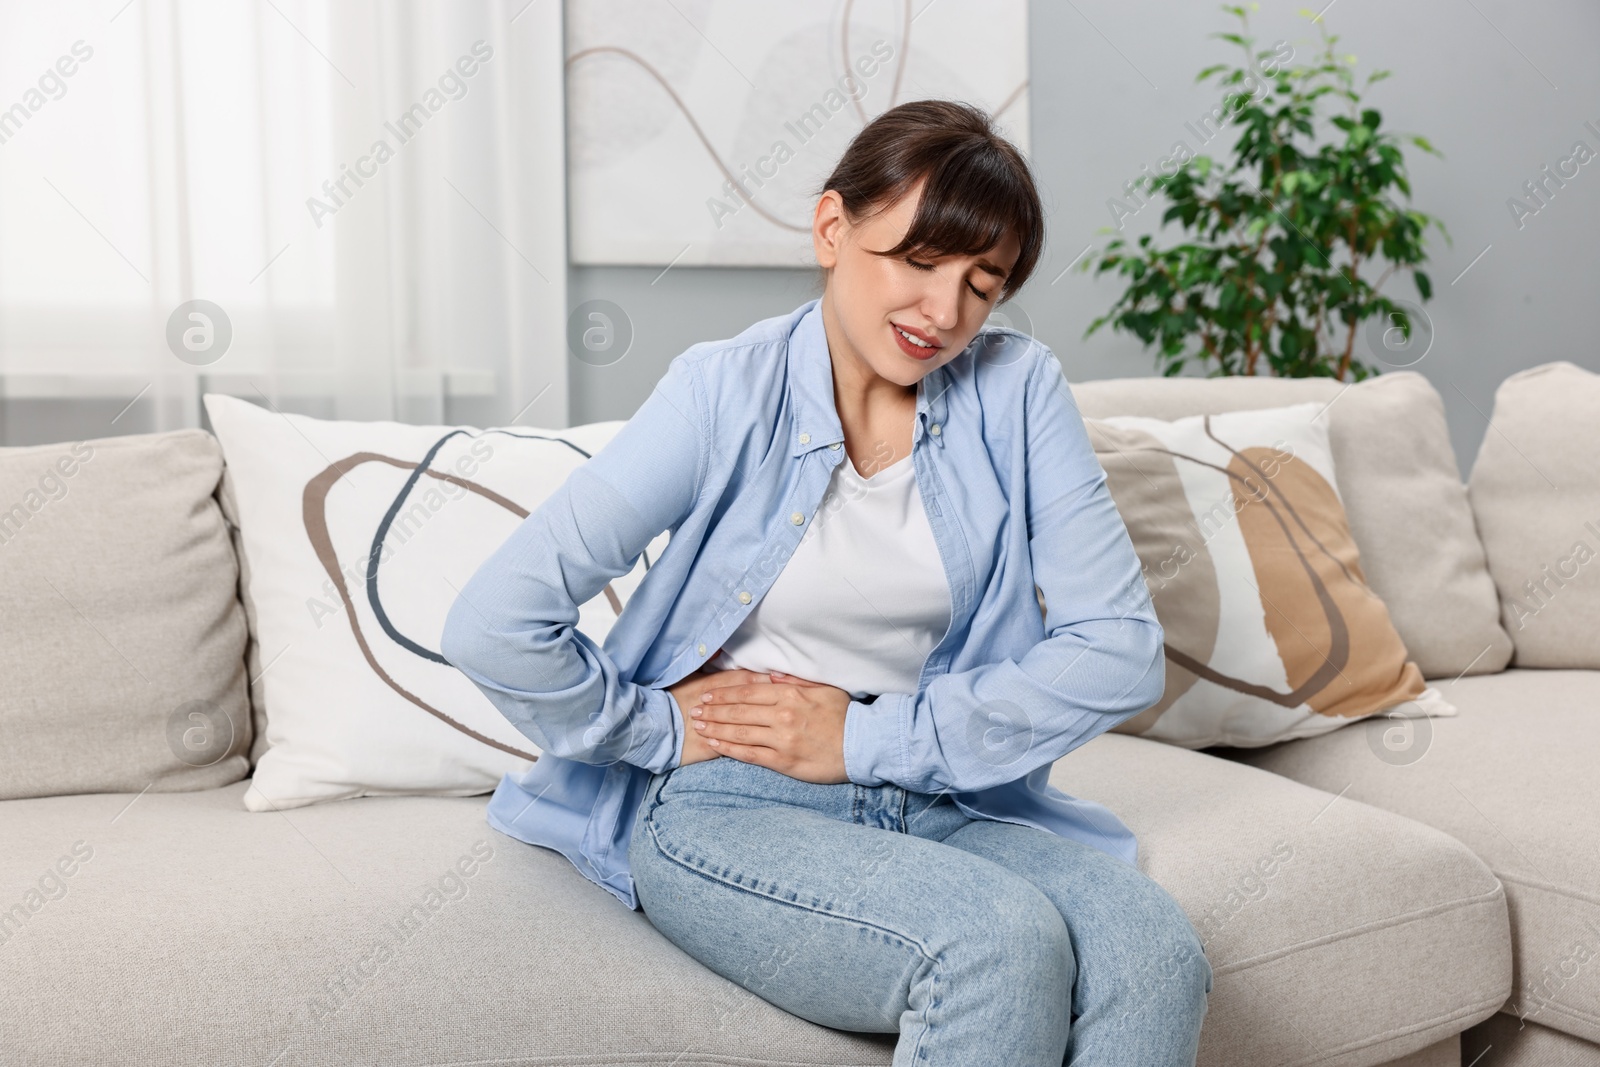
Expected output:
(979, 187)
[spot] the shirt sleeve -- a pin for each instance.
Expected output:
(512, 628)
(1102, 660)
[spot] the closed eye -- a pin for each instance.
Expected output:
(929, 266)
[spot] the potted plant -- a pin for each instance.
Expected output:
(1281, 241)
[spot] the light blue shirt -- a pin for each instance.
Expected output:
(732, 452)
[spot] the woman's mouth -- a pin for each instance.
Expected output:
(915, 345)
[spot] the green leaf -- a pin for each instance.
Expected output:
(1265, 268)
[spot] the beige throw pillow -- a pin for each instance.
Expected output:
(1536, 494)
(1272, 632)
(1397, 476)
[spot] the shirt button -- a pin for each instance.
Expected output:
(701, 649)
(834, 446)
(797, 518)
(744, 597)
(805, 438)
(934, 429)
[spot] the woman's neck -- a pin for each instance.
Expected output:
(874, 412)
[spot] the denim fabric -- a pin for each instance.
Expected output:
(873, 908)
(732, 453)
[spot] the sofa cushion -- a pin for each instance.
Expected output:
(1337, 933)
(407, 929)
(1507, 1041)
(1513, 778)
(380, 930)
(252, 660)
(1271, 631)
(355, 538)
(1535, 489)
(1397, 475)
(121, 635)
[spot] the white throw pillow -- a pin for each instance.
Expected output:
(358, 700)
(1272, 632)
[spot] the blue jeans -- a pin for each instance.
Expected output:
(880, 910)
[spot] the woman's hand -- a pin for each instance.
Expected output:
(788, 724)
(687, 693)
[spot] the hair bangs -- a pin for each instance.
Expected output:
(977, 188)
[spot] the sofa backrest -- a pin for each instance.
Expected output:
(1535, 490)
(1397, 475)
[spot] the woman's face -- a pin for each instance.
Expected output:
(876, 300)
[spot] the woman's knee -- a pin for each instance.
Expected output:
(1009, 925)
(1168, 967)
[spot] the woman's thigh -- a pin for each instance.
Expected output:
(1143, 975)
(848, 925)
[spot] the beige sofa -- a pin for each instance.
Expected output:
(1363, 901)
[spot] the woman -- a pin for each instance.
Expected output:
(896, 591)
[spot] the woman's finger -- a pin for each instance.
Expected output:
(758, 693)
(744, 733)
(733, 714)
(789, 679)
(756, 754)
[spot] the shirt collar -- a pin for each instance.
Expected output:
(816, 419)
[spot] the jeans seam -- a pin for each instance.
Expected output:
(909, 942)
(904, 939)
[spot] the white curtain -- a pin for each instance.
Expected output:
(371, 192)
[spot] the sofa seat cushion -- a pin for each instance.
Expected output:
(199, 932)
(1338, 933)
(406, 930)
(1513, 778)
(1507, 1041)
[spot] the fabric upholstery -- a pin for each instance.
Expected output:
(1397, 475)
(1512, 777)
(121, 635)
(1535, 489)
(1503, 1040)
(356, 537)
(1446, 1053)
(253, 664)
(1337, 933)
(1376, 937)
(1270, 629)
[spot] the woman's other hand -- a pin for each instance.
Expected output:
(791, 725)
(688, 692)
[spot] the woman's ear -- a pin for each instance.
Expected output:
(828, 227)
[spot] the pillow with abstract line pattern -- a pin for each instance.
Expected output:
(357, 700)
(1272, 632)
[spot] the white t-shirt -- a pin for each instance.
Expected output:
(864, 598)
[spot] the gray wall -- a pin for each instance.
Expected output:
(1500, 89)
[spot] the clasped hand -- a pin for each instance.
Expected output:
(791, 725)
